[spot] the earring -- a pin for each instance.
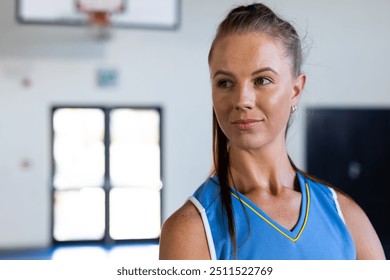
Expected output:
(294, 108)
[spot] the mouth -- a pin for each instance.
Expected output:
(246, 124)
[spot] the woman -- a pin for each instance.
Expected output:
(257, 204)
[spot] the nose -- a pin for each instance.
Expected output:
(245, 98)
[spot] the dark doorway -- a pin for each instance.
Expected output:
(350, 148)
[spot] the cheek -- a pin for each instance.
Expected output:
(221, 106)
(222, 112)
(222, 117)
(279, 104)
(277, 108)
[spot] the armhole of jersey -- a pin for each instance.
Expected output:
(206, 225)
(337, 203)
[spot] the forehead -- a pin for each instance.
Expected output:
(249, 51)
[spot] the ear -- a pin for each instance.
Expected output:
(298, 86)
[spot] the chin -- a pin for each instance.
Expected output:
(249, 144)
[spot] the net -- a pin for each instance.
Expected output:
(99, 14)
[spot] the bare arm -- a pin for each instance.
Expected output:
(368, 245)
(183, 236)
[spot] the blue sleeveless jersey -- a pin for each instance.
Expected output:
(320, 233)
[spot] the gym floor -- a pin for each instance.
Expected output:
(140, 252)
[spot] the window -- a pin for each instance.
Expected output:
(106, 173)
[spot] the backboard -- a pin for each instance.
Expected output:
(149, 14)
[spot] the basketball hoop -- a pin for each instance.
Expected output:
(99, 14)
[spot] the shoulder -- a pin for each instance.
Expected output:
(183, 235)
(368, 245)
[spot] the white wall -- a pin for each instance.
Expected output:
(347, 66)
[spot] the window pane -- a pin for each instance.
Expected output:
(78, 148)
(134, 213)
(135, 148)
(79, 214)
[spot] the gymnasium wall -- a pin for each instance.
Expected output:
(41, 66)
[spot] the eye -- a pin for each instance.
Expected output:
(224, 83)
(261, 81)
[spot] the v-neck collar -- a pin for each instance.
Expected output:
(296, 232)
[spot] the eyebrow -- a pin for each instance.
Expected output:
(227, 73)
(265, 69)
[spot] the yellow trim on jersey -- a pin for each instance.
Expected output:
(275, 227)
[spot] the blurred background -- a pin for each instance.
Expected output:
(106, 130)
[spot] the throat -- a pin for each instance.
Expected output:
(283, 208)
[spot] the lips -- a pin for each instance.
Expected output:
(246, 124)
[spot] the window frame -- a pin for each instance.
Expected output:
(107, 187)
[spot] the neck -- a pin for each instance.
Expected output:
(267, 169)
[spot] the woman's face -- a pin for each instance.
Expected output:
(253, 89)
